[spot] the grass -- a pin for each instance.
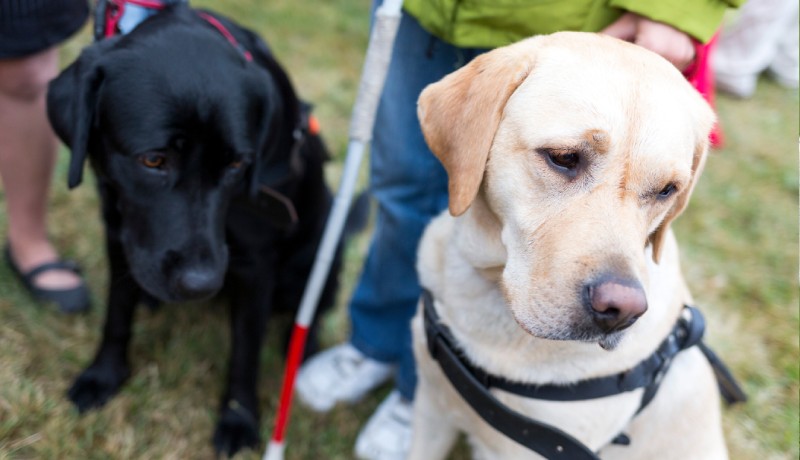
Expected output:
(740, 253)
(740, 249)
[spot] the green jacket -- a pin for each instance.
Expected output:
(493, 23)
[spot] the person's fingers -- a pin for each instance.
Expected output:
(623, 28)
(672, 44)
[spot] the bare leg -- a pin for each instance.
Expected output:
(28, 150)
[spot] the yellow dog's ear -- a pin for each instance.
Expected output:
(460, 114)
(698, 162)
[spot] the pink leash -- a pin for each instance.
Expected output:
(701, 75)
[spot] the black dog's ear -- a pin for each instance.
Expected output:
(71, 104)
(276, 164)
(281, 114)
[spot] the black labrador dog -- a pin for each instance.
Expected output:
(210, 180)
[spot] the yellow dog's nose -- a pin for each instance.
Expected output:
(616, 304)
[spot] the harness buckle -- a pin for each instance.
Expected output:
(693, 324)
(662, 370)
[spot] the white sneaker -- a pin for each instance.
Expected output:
(339, 374)
(387, 434)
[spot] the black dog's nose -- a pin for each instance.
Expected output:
(616, 304)
(197, 284)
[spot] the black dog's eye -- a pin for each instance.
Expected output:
(153, 160)
(236, 164)
(668, 190)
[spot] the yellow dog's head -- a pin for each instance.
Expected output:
(583, 149)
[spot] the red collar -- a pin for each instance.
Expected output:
(115, 10)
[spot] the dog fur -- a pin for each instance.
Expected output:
(568, 156)
(203, 190)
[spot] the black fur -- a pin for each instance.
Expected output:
(231, 207)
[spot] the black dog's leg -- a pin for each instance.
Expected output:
(238, 425)
(101, 380)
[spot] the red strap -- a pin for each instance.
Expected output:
(151, 4)
(116, 9)
(225, 33)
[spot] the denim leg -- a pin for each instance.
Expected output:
(410, 187)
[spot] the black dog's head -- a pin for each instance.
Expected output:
(176, 122)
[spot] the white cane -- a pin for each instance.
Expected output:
(376, 64)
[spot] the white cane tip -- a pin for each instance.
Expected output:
(274, 451)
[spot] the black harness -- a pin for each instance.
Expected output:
(473, 384)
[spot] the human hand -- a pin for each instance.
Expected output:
(672, 44)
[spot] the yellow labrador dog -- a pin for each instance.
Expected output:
(568, 156)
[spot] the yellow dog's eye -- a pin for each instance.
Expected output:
(152, 160)
(565, 160)
(668, 190)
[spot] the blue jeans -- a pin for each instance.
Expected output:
(410, 187)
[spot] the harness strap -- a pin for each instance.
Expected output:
(728, 386)
(214, 22)
(544, 439)
(110, 15)
(687, 333)
(111, 19)
(268, 195)
(473, 383)
(648, 373)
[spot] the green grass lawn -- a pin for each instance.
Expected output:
(739, 241)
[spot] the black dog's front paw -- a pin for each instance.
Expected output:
(237, 429)
(96, 385)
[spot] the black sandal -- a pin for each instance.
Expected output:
(73, 300)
